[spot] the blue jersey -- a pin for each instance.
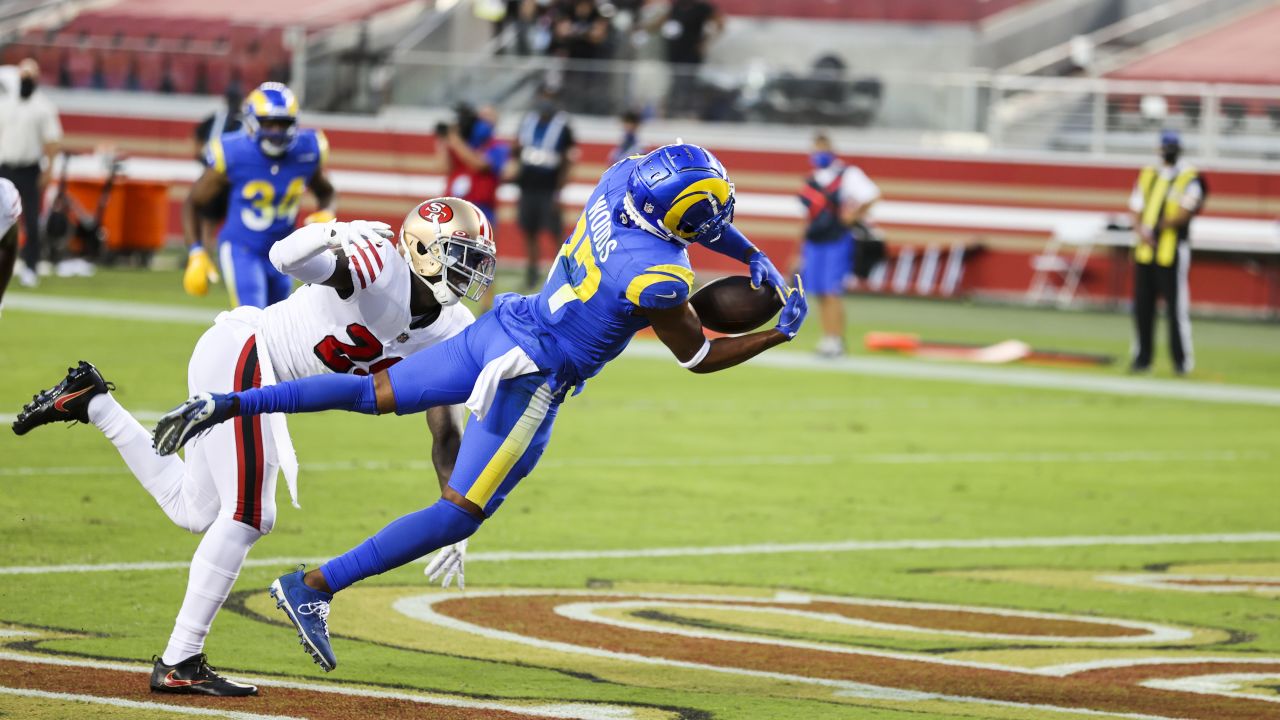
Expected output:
(265, 191)
(604, 274)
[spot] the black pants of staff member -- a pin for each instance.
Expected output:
(1150, 281)
(537, 212)
(26, 178)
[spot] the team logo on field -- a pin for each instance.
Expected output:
(435, 211)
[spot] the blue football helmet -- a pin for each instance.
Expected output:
(680, 193)
(272, 102)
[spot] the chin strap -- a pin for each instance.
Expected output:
(443, 294)
(629, 207)
(439, 289)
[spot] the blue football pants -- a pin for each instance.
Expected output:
(250, 277)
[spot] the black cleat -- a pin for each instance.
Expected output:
(193, 676)
(64, 402)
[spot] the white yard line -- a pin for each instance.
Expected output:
(870, 366)
(563, 711)
(1047, 458)
(998, 543)
(114, 309)
(137, 705)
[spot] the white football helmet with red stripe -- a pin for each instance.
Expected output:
(449, 245)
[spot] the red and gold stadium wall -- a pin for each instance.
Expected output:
(1001, 206)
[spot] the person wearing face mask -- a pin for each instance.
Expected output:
(1164, 201)
(540, 167)
(473, 158)
(29, 136)
(837, 198)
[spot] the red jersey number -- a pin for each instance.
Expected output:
(341, 357)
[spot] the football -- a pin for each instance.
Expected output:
(731, 305)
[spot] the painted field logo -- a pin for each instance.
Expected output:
(876, 650)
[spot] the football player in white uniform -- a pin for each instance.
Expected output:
(372, 298)
(10, 210)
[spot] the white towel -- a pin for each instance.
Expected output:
(513, 364)
(282, 444)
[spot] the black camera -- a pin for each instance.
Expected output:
(464, 119)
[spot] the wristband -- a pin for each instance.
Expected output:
(698, 357)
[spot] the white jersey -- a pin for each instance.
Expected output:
(10, 206)
(314, 331)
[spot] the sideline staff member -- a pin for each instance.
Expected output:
(29, 133)
(1163, 202)
(542, 157)
(837, 197)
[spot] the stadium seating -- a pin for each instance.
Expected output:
(1214, 57)
(886, 10)
(185, 46)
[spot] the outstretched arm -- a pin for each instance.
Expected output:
(732, 243)
(681, 331)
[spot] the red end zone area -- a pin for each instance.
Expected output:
(1003, 209)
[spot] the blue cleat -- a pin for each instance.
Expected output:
(307, 608)
(194, 417)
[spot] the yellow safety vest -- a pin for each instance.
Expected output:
(1155, 192)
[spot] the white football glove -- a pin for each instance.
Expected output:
(342, 234)
(448, 562)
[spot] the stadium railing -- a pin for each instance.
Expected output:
(960, 110)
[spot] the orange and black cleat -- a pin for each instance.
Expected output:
(65, 402)
(193, 676)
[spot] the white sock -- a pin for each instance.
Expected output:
(162, 476)
(214, 569)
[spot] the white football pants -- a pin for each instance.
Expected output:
(226, 487)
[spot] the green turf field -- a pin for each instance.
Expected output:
(888, 543)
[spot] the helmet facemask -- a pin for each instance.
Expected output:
(274, 141)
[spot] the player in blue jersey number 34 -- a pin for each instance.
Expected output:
(624, 268)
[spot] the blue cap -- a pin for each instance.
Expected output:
(1170, 137)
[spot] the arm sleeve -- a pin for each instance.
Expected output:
(52, 129)
(367, 261)
(303, 254)
(732, 243)
(497, 157)
(661, 287)
(857, 188)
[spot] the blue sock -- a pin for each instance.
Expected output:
(312, 394)
(406, 539)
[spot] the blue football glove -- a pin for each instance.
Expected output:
(792, 315)
(763, 271)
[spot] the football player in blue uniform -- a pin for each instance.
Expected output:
(266, 166)
(624, 268)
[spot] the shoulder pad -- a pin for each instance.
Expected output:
(322, 145)
(661, 286)
(215, 156)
